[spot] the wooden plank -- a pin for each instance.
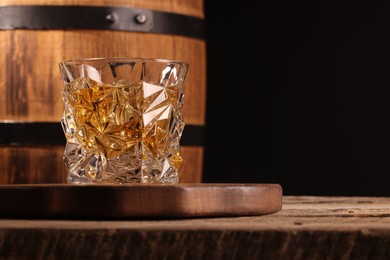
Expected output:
(126, 201)
(27, 90)
(305, 228)
(44, 164)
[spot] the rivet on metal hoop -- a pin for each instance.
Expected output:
(140, 18)
(111, 18)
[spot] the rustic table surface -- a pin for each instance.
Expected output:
(305, 228)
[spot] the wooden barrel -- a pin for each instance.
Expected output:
(35, 35)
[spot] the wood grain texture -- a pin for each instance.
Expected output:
(44, 164)
(23, 165)
(31, 85)
(305, 228)
(192, 155)
(128, 201)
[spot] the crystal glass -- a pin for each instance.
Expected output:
(123, 119)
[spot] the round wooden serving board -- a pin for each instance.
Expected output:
(70, 201)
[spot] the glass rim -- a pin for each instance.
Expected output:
(80, 61)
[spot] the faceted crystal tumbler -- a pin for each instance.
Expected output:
(123, 119)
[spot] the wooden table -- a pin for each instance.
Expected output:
(306, 228)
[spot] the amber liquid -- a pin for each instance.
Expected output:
(123, 132)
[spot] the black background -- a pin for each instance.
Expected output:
(298, 94)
